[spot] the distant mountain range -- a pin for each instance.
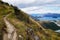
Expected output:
(46, 16)
(54, 15)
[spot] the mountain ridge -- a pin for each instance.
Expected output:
(26, 27)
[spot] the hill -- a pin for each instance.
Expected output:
(25, 26)
(50, 25)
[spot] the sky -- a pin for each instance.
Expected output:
(36, 6)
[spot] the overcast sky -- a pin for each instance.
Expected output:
(37, 6)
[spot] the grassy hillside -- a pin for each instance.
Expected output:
(25, 25)
(4, 10)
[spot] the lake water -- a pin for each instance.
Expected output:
(48, 18)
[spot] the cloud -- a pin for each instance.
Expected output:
(41, 9)
(37, 6)
(17, 2)
(44, 1)
(30, 2)
(41, 3)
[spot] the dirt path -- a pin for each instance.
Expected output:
(12, 34)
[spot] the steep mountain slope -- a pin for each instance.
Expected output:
(4, 10)
(27, 28)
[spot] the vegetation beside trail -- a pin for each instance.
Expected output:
(25, 25)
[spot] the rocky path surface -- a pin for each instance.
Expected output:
(11, 31)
